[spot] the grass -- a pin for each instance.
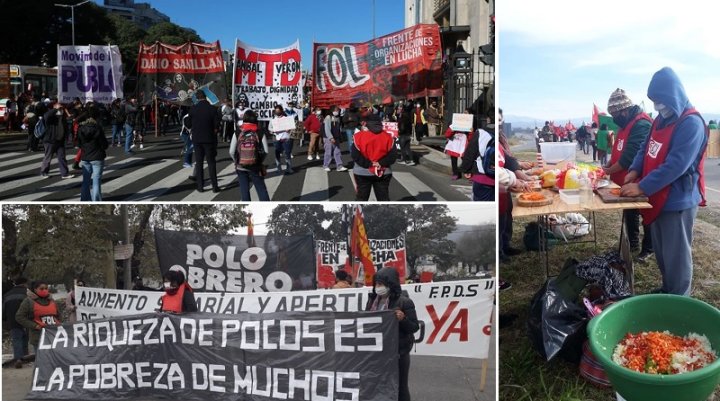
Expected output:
(524, 375)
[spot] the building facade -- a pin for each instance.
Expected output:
(142, 14)
(465, 27)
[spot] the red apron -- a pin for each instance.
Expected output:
(655, 154)
(620, 142)
(174, 303)
(45, 315)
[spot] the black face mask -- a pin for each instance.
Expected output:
(623, 119)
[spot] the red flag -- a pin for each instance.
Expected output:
(250, 232)
(595, 115)
(361, 246)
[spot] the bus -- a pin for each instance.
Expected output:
(17, 79)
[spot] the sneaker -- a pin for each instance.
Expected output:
(310, 157)
(644, 256)
(132, 146)
(65, 177)
(43, 175)
(141, 146)
(504, 285)
(289, 170)
(185, 165)
(327, 169)
(410, 163)
(455, 178)
(342, 168)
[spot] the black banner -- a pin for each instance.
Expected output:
(226, 263)
(278, 356)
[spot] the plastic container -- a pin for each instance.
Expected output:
(570, 196)
(555, 152)
(656, 312)
(586, 190)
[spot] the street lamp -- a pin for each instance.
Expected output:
(72, 15)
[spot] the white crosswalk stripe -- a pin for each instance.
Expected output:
(169, 181)
(37, 157)
(9, 155)
(225, 178)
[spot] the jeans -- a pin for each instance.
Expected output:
(349, 133)
(381, 186)
(188, 149)
(92, 175)
(283, 147)
(19, 338)
(244, 179)
(116, 133)
(632, 225)
(483, 193)
(128, 137)
(332, 150)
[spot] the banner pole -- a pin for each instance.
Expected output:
(156, 114)
(483, 374)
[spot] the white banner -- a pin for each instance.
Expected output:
(91, 73)
(454, 316)
(267, 77)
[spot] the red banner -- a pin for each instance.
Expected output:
(403, 65)
(361, 246)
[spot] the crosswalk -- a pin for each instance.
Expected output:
(156, 174)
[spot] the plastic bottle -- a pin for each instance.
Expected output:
(586, 190)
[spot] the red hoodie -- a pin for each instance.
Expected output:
(312, 124)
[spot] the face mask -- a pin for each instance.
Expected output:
(664, 111)
(381, 290)
(166, 285)
(42, 293)
(318, 112)
(417, 105)
(335, 113)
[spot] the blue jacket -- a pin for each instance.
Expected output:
(687, 145)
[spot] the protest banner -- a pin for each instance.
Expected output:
(215, 262)
(462, 122)
(194, 356)
(267, 77)
(454, 316)
(332, 256)
(391, 128)
(90, 73)
(402, 65)
(176, 73)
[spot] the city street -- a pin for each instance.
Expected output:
(155, 173)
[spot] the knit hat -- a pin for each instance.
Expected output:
(618, 101)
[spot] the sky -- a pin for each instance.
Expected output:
(466, 213)
(558, 57)
(278, 23)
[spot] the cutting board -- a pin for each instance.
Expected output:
(607, 197)
(532, 203)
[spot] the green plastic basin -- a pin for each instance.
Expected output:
(657, 312)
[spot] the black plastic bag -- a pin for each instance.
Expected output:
(556, 326)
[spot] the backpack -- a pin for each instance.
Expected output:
(40, 128)
(249, 150)
(486, 158)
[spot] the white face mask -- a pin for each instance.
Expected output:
(381, 290)
(417, 105)
(318, 112)
(335, 113)
(664, 111)
(167, 285)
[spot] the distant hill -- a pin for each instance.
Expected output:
(523, 122)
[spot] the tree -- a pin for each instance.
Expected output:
(127, 36)
(60, 242)
(477, 247)
(169, 33)
(299, 219)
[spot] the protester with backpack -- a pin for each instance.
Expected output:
(30, 120)
(478, 165)
(248, 150)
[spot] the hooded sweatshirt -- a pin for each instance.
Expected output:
(680, 169)
(396, 300)
(92, 140)
(26, 315)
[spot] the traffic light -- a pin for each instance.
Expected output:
(488, 54)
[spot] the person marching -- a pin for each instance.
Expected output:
(313, 127)
(93, 146)
(204, 121)
(634, 126)
(37, 311)
(282, 143)
(178, 297)
(669, 169)
(373, 152)
(331, 130)
(248, 150)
